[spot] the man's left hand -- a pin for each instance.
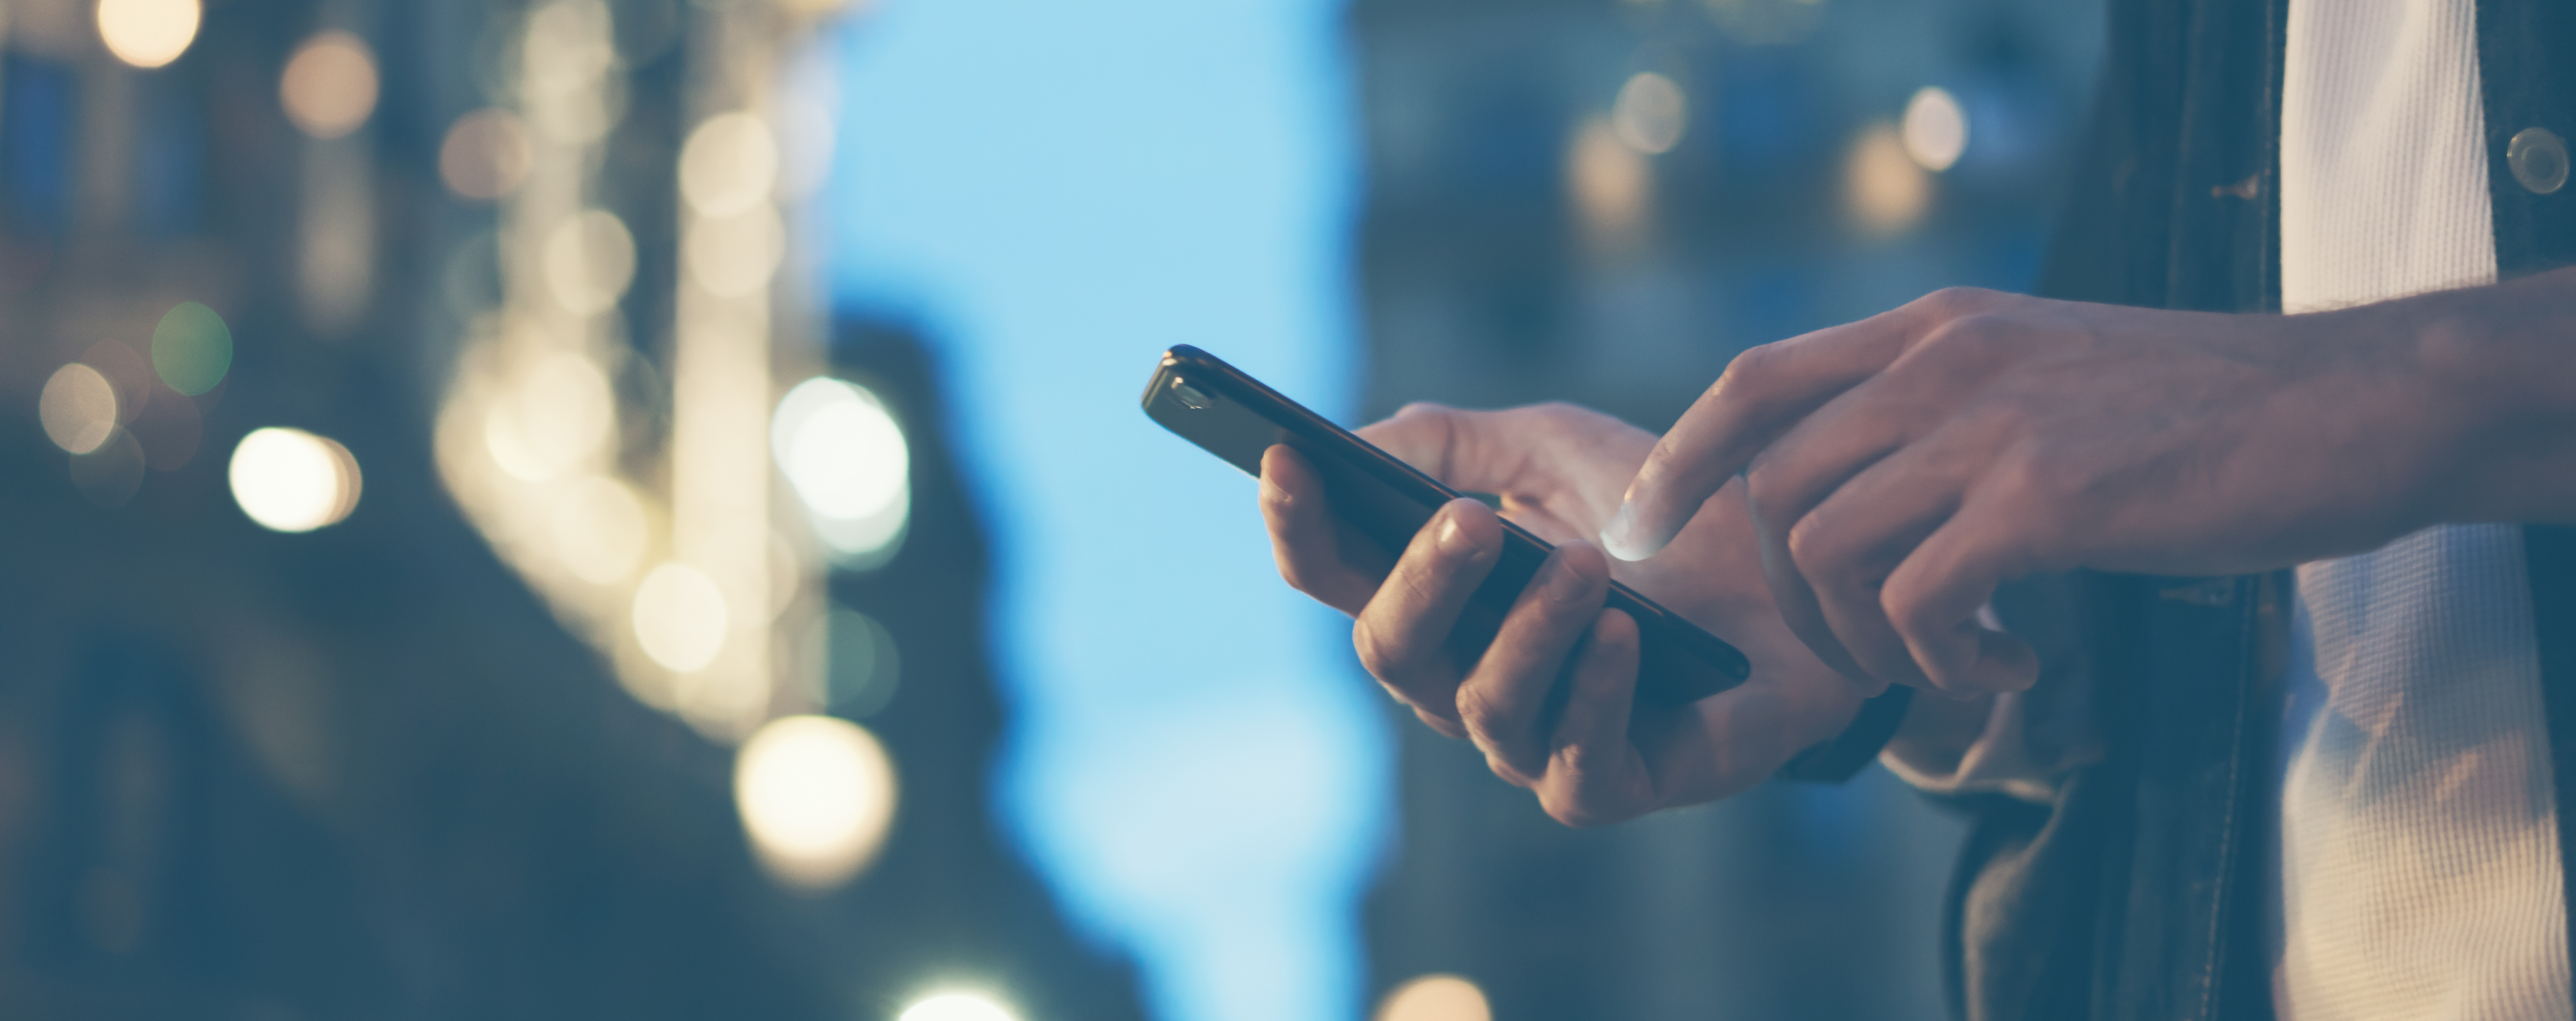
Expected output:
(1899, 468)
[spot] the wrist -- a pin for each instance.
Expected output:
(2502, 394)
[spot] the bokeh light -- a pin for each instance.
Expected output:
(148, 33)
(590, 258)
(192, 348)
(1651, 113)
(817, 795)
(600, 530)
(290, 480)
(957, 1007)
(1611, 183)
(1936, 129)
(680, 618)
(78, 408)
(110, 475)
(486, 155)
(1885, 190)
(847, 460)
(329, 87)
(553, 417)
(729, 165)
(863, 665)
(736, 255)
(1435, 998)
(130, 373)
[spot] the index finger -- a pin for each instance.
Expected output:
(1763, 392)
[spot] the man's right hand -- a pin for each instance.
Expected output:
(1591, 753)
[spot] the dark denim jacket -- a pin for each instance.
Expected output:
(2136, 896)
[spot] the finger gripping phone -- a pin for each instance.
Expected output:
(1232, 415)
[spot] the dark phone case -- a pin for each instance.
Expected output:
(1390, 501)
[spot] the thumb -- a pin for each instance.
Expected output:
(1466, 450)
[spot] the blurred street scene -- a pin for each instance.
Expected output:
(635, 508)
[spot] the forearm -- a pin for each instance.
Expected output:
(2504, 359)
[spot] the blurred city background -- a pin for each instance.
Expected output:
(636, 508)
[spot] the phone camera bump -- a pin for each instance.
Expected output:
(1191, 397)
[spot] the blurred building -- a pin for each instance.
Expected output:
(1603, 201)
(308, 712)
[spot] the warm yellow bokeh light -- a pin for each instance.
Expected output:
(1936, 129)
(148, 33)
(329, 87)
(1651, 113)
(1611, 183)
(599, 530)
(1435, 998)
(590, 259)
(1886, 191)
(680, 618)
(737, 254)
(817, 795)
(78, 408)
(957, 1007)
(290, 480)
(729, 164)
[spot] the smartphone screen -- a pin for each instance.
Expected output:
(1234, 416)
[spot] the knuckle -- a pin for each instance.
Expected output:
(1909, 610)
(1480, 710)
(1952, 302)
(1764, 490)
(1375, 657)
(1575, 810)
(1969, 335)
(1750, 369)
(1823, 557)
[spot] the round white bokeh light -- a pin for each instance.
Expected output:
(1936, 129)
(148, 33)
(848, 462)
(956, 1007)
(290, 480)
(817, 795)
(680, 618)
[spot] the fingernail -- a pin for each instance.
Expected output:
(1453, 539)
(1619, 538)
(1562, 583)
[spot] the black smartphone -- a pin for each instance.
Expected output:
(1232, 415)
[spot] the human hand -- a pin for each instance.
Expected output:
(1899, 468)
(1590, 752)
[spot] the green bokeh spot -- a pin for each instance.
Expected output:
(192, 348)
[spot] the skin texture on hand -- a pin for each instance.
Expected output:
(1550, 702)
(1899, 468)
